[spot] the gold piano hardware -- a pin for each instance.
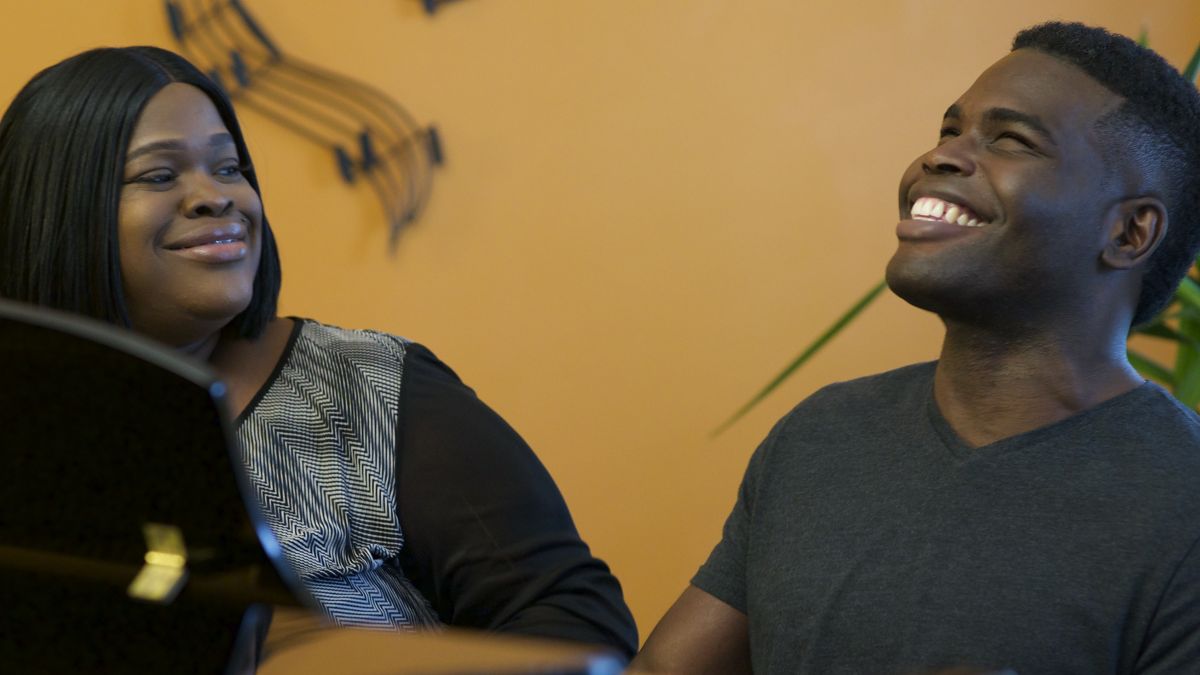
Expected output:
(165, 571)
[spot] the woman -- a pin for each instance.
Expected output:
(127, 194)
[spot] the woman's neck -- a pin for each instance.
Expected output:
(246, 364)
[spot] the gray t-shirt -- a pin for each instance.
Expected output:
(867, 538)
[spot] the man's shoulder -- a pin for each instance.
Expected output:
(881, 403)
(880, 390)
(1161, 404)
(1158, 422)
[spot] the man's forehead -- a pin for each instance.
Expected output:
(1041, 84)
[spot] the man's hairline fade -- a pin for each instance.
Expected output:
(1149, 123)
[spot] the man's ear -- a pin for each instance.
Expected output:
(1137, 229)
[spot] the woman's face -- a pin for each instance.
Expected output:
(189, 223)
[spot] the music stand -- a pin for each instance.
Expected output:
(128, 541)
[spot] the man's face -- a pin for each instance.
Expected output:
(1018, 168)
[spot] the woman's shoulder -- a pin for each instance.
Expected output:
(313, 335)
(367, 345)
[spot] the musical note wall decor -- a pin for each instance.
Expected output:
(371, 138)
(432, 5)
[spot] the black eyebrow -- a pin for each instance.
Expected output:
(1009, 115)
(223, 138)
(954, 112)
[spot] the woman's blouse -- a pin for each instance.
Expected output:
(402, 500)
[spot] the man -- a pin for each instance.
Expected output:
(1028, 501)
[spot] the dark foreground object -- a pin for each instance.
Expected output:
(115, 456)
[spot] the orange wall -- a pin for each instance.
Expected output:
(648, 207)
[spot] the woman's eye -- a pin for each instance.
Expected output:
(155, 178)
(231, 171)
(947, 132)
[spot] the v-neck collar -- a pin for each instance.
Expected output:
(962, 452)
(297, 326)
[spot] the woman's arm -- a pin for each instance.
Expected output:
(488, 538)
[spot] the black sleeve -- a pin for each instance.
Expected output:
(487, 536)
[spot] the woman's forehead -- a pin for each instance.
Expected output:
(178, 110)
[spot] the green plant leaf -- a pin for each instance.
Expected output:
(1188, 293)
(1181, 311)
(1152, 369)
(1187, 383)
(805, 355)
(1143, 38)
(1185, 356)
(1193, 65)
(1189, 328)
(1160, 330)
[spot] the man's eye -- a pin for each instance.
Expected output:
(948, 132)
(231, 171)
(1011, 138)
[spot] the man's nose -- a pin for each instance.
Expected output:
(952, 156)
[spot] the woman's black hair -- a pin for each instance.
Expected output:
(62, 158)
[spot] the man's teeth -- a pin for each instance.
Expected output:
(932, 208)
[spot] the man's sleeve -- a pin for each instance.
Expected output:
(488, 538)
(1172, 644)
(723, 576)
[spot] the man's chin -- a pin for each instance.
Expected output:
(924, 288)
(962, 299)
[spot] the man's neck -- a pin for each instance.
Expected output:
(990, 387)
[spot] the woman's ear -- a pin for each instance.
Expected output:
(1138, 229)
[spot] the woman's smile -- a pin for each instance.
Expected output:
(216, 244)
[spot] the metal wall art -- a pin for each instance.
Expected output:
(370, 136)
(432, 5)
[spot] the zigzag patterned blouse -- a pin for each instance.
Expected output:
(402, 500)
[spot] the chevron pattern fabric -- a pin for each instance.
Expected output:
(319, 447)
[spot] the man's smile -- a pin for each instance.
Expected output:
(936, 218)
(932, 208)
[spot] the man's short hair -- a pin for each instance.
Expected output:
(1156, 129)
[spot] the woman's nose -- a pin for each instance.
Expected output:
(207, 198)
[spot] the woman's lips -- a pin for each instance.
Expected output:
(216, 244)
(223, 250)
